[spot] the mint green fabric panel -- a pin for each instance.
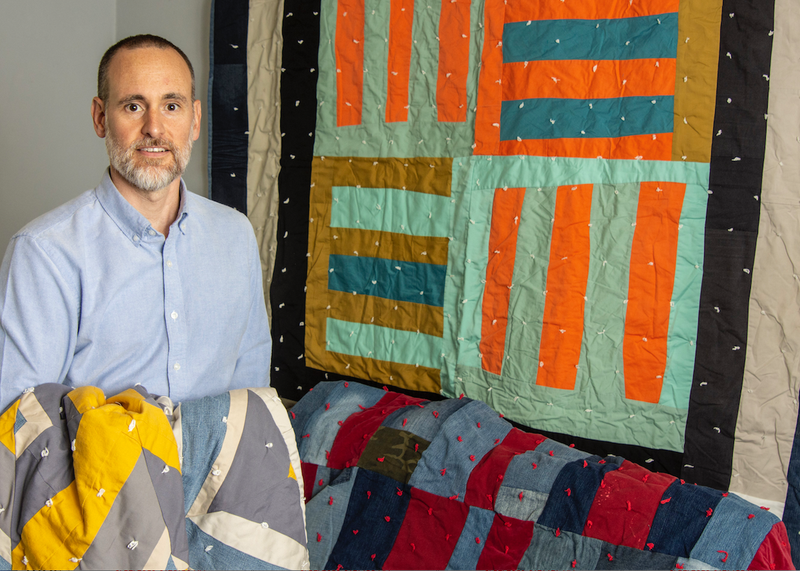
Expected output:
(684, 314)
(422, 134)
(477, 227)
(526, 304)
(517, 171)
(391, 210)
(382, 343)
(600, 376)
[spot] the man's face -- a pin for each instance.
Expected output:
(150, 119)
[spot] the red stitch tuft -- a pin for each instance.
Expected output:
(725, 494)
(413, 547)
(447, 537)
(347, 464)
(601, 461)
(327, 406)
(558, 531)
(506, 549)
(430, 511)
(602, 483)
(416, 447)
(569, 491)
(764, 508)
(346, 384)
(724, 559)
(372, 556)
(709, 511)
(383, 411)
(341, 423)
(368, 494)
(472, 457)
(459, 439)
(306, 435)
(319, 537)
(628, 503)
(453, 497)
(650, 546)
(645, 477)
(362, 407)
(386, 388)
(678, 566)
(443, 471)
(683, 481)
(610, 557)
(330, 500)
(293, 414)
(327, 455)
(339, 567)
(399, 491)
(365, 436)
(585, 464)
(479, 425)
(321, 481)
(751, 516)
(551, 453)
(461, 396)
(572, 446)
(489, 497)
(355, 532)
(405, 420)
(574, 563)
(520, 496)
(508, 524)
(435, 414)
(497, 441)
(477, 540)
(382, 458)
(500, 477)
(666, 500)
(589, 523)
(387, 518)
(420, 405)
(502, 415)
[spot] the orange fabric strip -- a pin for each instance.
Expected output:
(490, 89)
(499, 273)
(567, 274)
(588, 79)
(521, 10)
(349, 62)
(399, 60)
(652, 274)
(451, 83)
(641, 146)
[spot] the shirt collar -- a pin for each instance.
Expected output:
(129, 220)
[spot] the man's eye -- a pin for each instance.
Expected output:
(172, 107)
(133, 107)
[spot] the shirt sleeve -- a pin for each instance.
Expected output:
(255, 350)
(39, 311)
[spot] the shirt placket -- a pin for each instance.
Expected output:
(175, 319)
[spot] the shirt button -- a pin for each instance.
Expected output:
(174, 315)
(152, 232)
(136, 238)
(169, 264)
(176, 366)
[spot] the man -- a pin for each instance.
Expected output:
(138, 280)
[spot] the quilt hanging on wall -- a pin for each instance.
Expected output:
(582, 213)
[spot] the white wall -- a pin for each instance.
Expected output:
(49, 52)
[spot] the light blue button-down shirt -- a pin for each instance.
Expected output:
(91, 294)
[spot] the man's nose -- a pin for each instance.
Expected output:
(153, 126)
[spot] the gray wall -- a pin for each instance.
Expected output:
(49, 51)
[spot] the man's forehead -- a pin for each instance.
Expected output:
(150, 68)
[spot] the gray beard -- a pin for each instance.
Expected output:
(151, 176)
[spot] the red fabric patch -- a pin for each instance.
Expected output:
(309, 475)
(434, 536)
(506, 544)
(774, 551)
(623, 510)
(352, 437)
(485, 479)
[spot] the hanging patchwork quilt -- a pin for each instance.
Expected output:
(580, 213)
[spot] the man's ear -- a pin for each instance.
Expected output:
(197, 116)
(99, 117)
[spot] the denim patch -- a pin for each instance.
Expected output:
(519, 503)
(422, 421)
(472, 539)
(621, 557)
(325, 514)
(549, 550)
(521, 472)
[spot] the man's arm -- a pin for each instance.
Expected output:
(39, 311)
(255, 353)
